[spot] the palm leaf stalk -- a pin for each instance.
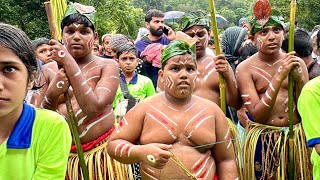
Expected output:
(290, 95)
(53, 14)
(217, 48)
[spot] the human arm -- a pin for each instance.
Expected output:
(232, 92)
(92, 100)
(300, 76)
(309, 110)
(224, 153)
(53, 148)
(122, 143)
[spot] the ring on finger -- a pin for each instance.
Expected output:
(151, 158)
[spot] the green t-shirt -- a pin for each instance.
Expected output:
(46, 156)
(309, 110)
(139, 87)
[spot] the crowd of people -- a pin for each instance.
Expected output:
(150, 108)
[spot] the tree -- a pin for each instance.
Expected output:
(117, 16)
(30, 16)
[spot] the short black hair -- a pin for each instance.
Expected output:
(153, 13)
(18, 42)
(125, 48)
(78, 18)
(302, 43)
(38, 42)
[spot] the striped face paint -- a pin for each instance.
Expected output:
(259, 43)
(76, 25)
(90, 43)
(169, 82)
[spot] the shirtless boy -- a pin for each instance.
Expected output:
(91, 82)
(263, 84)
(172, 125)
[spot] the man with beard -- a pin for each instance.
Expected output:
(154, 21)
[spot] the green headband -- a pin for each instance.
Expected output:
(177, 47)
(197, 18)
(275, 20)
(87, 11)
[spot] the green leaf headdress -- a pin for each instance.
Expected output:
(274, 20)
(177, 47)
(196, 18)
(87, 11)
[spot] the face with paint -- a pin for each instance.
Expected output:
(269, 39)
(179, 76)
(201, 34)
(128, 62)
(78, 39)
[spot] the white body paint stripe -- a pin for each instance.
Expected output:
(191, 106)
(170, 132)
(92, 124)
(89, 90)
(149, 175)
(245, 95)
(203, 166)
(125, 121)
(272, 88)
(225, 137)
(103, 88)
(93, 77)
(131, 148)
(268, 96)
(209, 73)
(87, 64)
(116, 149)
(203, 120)
(194, 117)
(169, 106)
(93, 68)
(165, 116)
(81, 120)
(123, 148)
(52, 71)
(261, 70)
(207, 66)
(78, 112)
(265, 102)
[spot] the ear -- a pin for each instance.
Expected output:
(31, 80)
(96, 37)
(160, 75)
(147, 25)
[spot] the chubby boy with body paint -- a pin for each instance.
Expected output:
(176, 126)
(263, 84)
(91, 82)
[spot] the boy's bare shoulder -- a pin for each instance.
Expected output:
(50, 65)
(206, 103)
(246, 63)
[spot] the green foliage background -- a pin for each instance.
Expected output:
(126, 16)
